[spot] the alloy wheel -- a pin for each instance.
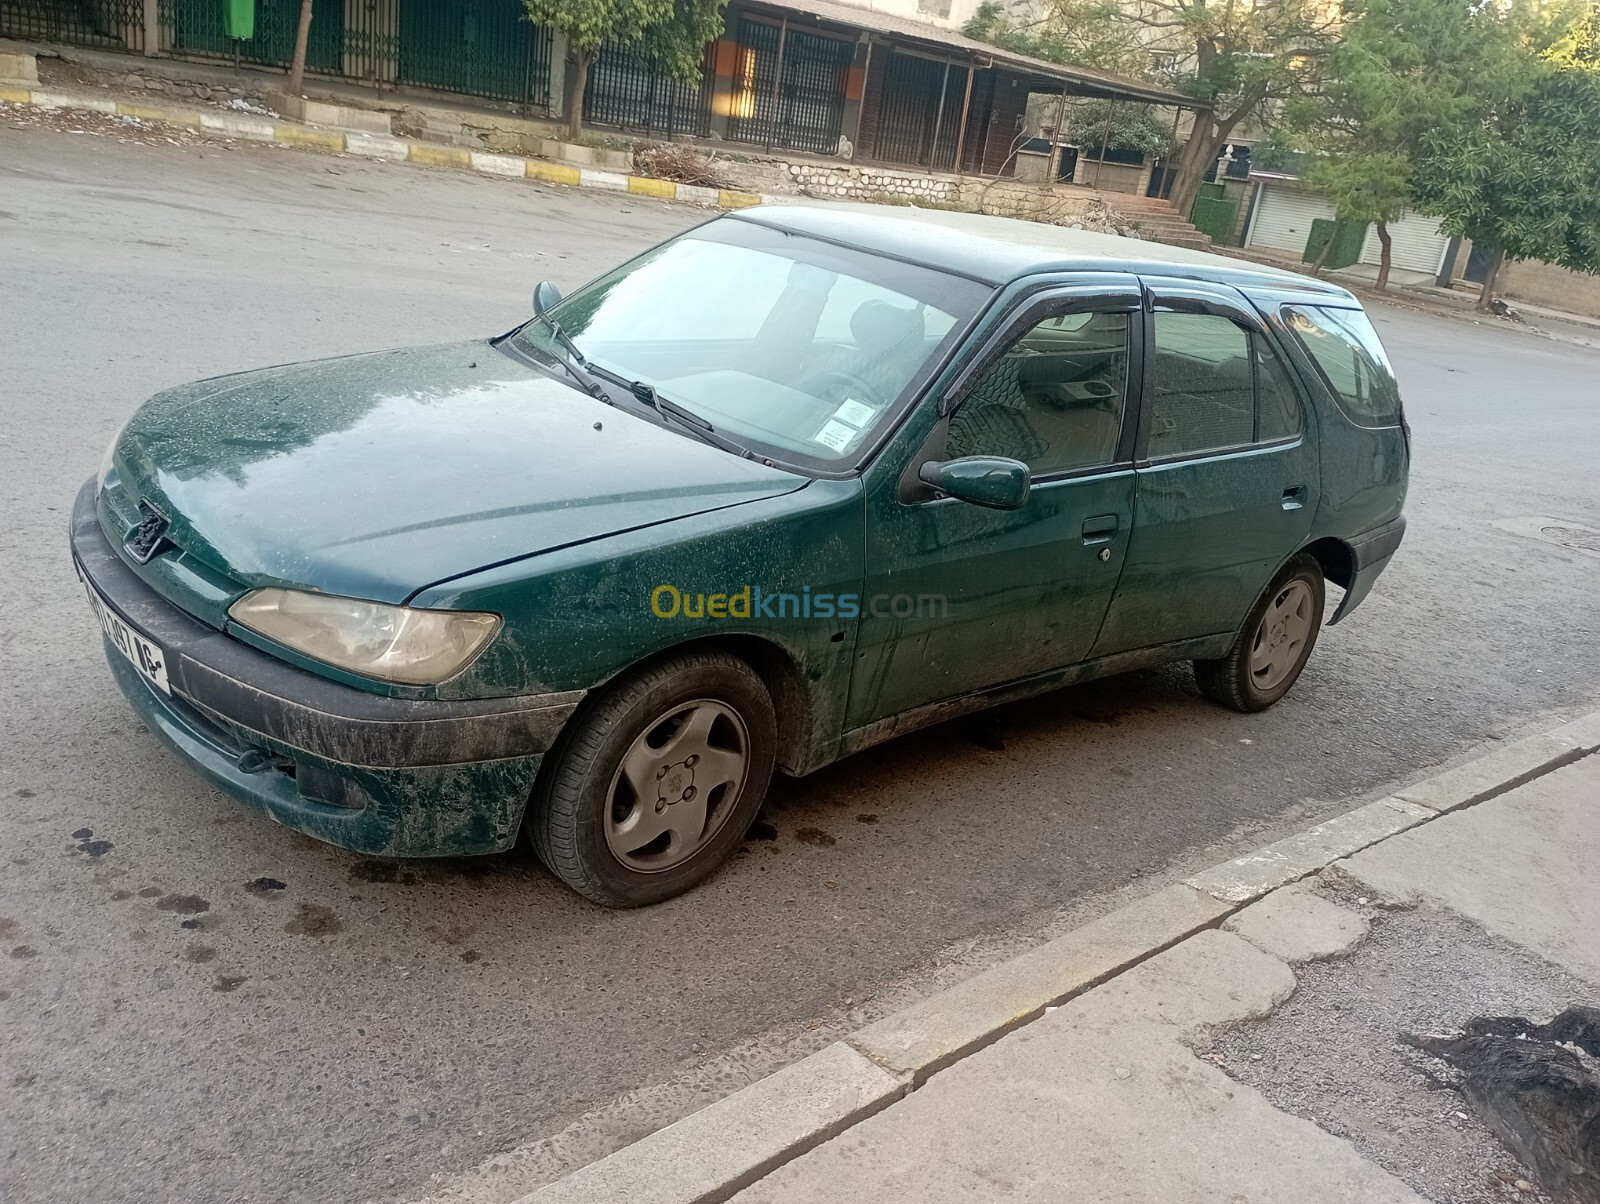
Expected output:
(676, 786)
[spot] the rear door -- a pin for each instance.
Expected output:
(1227, 479)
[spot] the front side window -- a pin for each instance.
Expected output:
(1053, 400)
(1346, 350)
(1215, 386)
(798, 349)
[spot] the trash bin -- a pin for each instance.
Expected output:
(239, 19)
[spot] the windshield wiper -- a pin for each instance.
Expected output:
(573, 363)
(668, 408)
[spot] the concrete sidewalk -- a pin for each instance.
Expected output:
(1104, 1098)
(1118, 1062)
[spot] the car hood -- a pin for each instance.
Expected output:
(375, 475)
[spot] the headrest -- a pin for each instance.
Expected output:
(877, 325)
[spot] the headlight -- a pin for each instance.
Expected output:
(394, 643)
(107, 461)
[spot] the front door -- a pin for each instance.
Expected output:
(958, 597)
(1228, 478)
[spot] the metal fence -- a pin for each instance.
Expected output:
(476, 47)
(629, 90)
(108, 24)
(799, 106)
(197, 29)
(919, 112)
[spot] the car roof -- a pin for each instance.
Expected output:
(996, 250)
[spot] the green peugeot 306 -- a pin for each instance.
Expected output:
(797, 481)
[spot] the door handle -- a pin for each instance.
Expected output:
(1294, 497)
(1099, 529)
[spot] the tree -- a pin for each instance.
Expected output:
(302, 38)
(672, 33)
(1400, 69)
(1239, 60)
(1524, 179)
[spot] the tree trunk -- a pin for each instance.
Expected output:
(580, 82)
(1327, 249)
(302, 36)
(1205, 143)
(1487, 295)
(1387, 249)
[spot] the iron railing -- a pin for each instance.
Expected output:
(628, 90)
(801, 106)
(109, 24)
(919, 112)
(477, 47)
(198, 30)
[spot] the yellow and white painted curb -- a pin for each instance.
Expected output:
(225, 124)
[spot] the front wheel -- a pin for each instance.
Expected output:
(658, 782)
(1273, 645)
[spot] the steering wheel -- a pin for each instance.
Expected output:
(847, 384)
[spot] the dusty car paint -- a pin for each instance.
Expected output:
(463, 478)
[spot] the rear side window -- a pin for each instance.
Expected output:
(1345, 348)
(1215, 386)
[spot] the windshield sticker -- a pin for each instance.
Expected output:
(854, 412)
(835, 435)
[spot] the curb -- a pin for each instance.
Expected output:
(710, 1155)
(391, 149)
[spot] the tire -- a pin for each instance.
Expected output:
(1256, 672)
(669, 728)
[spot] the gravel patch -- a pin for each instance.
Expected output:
(1330, 1053)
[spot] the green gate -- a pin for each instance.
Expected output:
(110, 24)
(477, 47)
(198, 29)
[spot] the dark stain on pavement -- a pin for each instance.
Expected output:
(192, 925)
(8, 927)
(23, 952)
(183, 905)
(83, 834)
(262, 887)
(313, 919)
(150, 892)
(866, 817)
(470, 956)
(120, 895)
(762, 829)
(95, 848)
(381, 871)
(226, 983)
(199, 953)
(24, 793)
(815, 836)
(985, 733)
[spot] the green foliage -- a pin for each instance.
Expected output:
(1082, 33)
(673, 32)
(1123, 126)
(1526, 177)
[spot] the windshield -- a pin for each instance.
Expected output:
(791, 346)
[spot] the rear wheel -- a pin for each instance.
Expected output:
(1273, 645)
(658, 782)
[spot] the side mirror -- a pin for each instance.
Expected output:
(993, 481)
(546, 297)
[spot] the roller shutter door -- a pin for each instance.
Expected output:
(1418, 245)
(1283, 217)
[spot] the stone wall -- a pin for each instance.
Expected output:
(873, 184)
(154, 81)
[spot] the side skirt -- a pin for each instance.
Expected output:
(1204, 648)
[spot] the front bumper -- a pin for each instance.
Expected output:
(388, 776)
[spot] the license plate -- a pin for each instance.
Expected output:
(144, 655)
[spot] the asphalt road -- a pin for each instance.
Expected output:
(172, 1028)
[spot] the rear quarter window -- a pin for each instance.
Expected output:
(1345, 348)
